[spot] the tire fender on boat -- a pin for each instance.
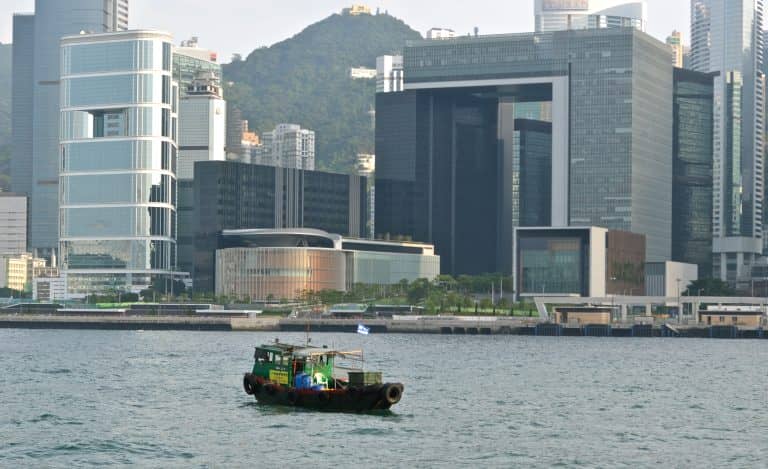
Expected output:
(247, 385)
(392, 393)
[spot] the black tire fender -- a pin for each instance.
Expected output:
(247, 385)
(392, 393)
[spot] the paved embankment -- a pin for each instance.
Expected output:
(416, 325)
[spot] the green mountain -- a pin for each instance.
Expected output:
(5, 116)
(305, 80)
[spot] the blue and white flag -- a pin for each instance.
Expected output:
(363, 330)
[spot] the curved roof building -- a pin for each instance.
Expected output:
(559, 15)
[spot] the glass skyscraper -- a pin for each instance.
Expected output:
(446, 146)
(727, 39)
(693, 159)
(117, 152)
(36, 93)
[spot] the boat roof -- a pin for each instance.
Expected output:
(304, 350)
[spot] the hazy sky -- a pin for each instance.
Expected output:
(230, 26)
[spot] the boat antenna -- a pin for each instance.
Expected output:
(309, 339)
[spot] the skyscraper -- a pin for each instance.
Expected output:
(36, 83)
(675, 43)
(449, 147)
(118, 161)
(558, 15)
(726, 37)
(288, 146)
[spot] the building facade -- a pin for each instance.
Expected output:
(558, 15)
(675, 43)
(37, 165)
(726, 37)
(288, 146)
(190, 60)
(440, 33)
(230, 195)
(389, 73)
(446, 147)
(269, 265)
(588, 262)
(118, 156)
(13, 223)
(693, 169)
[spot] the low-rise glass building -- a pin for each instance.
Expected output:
(284, 264)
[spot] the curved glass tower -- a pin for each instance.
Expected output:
(117, 156)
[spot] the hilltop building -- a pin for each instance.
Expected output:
(356, 10)
(118, 152)
(35, 91)
(441, 33)
(362, 73)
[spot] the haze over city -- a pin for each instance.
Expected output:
(239, 26)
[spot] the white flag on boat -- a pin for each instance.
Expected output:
(363, 330)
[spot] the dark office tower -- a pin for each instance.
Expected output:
(693, 158)
(534, 174)
(231, 195)
(36, 83)
(454, 170)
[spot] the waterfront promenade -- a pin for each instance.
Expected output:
(456, 325)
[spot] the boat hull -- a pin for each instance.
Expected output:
(349, 399)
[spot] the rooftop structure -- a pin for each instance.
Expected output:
(557, 15)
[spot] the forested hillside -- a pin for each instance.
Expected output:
(305, 80)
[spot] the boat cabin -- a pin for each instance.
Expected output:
(301, 366)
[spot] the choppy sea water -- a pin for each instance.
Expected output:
(174, 399)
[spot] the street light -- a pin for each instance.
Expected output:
(679, 306)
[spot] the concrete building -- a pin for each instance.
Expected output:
(231, 195)
(447, 148)
(675, 43)
(589, 262)
(13, 223)
(669, 279)
(288, 146)
(17, 271)
(49, 289)
(389, 73)
(362, 73)
(202, 124)
(36, 78)
(745, 316)
(190, 60)
(440, 33)
(285, 264)
(558, 15)
(726, 38)
(118, 161)
(356, 10)
(693, 160)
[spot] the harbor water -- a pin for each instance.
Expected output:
(174, 399)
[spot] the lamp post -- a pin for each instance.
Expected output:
(679, 306)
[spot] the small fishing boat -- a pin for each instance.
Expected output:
(317, 378)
